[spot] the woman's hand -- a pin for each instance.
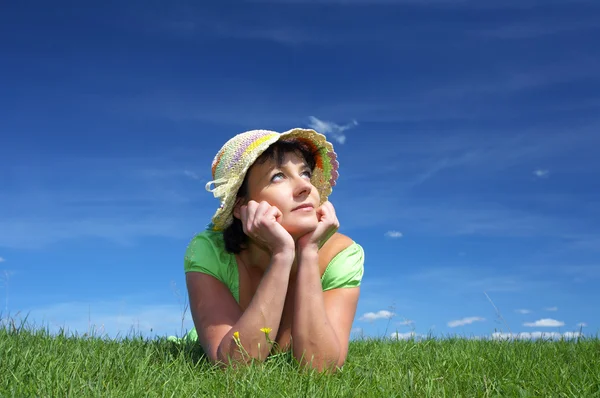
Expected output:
(261, 222)
(327, 226)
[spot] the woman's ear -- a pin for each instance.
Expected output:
(236, 208)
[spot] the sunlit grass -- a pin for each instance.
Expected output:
(34, 362)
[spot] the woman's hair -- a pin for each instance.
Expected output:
(234, 236)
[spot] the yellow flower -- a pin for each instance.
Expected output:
(266, 330)
(236, 335)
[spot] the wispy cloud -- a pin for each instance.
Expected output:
(394, 234)
(470, 161)
(117, 199)
(251, 26)
(479, 279)
(551, 309)
(372, 316)
(453, 218)
(523, 311)
(589, 242)
(582, 272)
(582, 325)
(546, 323)
(406, 322)
(465, 321)
(192, 174)
(541, 173)
(2, 260)
(336, 131)
(39, 232)
(429, 3)
(529, 30)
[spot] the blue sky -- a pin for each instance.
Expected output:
(467, 134)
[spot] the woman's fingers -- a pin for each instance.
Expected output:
(273, 214)
(261, 222)
(252, 216)
(261, 212)
(328, 223)
(248, 213)
(255, 216)
(278, 214)
(244, 218)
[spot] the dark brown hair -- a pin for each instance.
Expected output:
(234, 236)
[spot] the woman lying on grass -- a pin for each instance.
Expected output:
(271, 273)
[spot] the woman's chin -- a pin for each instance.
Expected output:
(300, 229)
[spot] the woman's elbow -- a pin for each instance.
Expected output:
(320, 364)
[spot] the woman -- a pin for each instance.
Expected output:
(272, 270)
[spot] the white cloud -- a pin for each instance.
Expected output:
(523, 311)
(357, 331)
(394, 234)
(501, 336)
(465, 321)
(541, 173)
(336, 131)
(552, 309)
(372, 316)
(533, 335)
(540, 335)
(406, 336)
(2, 260)
(572, 335)
(546, 323)
(406, 322)
(582, 325)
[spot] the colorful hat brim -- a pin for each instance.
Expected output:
(324, 176)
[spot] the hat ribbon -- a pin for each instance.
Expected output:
(220, 187)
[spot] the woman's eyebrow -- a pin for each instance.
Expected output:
(269, 169)
(275, 166)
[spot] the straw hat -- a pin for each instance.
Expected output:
(231, 163)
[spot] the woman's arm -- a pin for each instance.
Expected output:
(322, 320)
(217, 316)
(324, 311)
(314, 341)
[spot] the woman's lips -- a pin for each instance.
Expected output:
(306, 207)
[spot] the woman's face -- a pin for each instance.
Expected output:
(288, 188)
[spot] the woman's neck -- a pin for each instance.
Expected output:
(259, 258)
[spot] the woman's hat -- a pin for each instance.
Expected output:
(231, 163)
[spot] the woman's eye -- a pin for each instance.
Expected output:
(277, 176)
(307, 173)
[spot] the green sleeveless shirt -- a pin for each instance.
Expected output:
(206, 253)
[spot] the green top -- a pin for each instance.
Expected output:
(206, 253)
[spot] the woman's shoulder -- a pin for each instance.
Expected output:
(334, 245)
(213, 238)
(206, 247)
(341, 262)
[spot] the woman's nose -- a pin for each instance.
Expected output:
(303, 186)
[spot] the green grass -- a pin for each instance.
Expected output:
(35, 363)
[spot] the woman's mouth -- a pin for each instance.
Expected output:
(304, 207)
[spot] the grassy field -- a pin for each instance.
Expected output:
(34, 363)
